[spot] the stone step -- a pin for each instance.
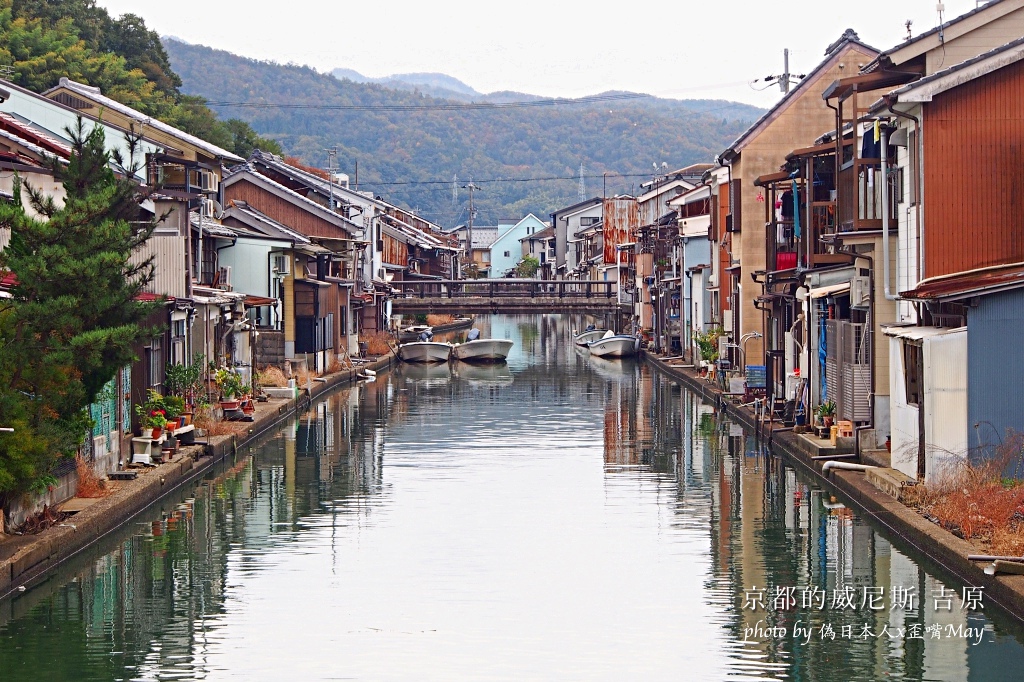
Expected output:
(890, 481)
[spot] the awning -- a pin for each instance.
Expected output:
(252, 301)
(918, 333)
(830, 290)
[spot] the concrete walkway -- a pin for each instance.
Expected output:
(901, 524)
(26, 560)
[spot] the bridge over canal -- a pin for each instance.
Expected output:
(506, 295)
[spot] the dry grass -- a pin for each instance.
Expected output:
(89, 484)
(304, 376)
(978, 502)
(435, 320)
(338, 363)
(273, 376)
(377, 343)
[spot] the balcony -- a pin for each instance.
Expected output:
(860, 196)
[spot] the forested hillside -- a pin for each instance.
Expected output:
(409, 146)
(43, 40)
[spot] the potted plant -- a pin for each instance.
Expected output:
(152, 414)
(230, 385)
(707, 344)
(827, 412)
(174, 406)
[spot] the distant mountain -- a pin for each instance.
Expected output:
(418, 150)
(433, 84)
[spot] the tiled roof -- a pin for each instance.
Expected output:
(96, 96)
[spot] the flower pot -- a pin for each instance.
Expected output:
(157, 430)
(827, 421)
(147, 432)
(229, 404)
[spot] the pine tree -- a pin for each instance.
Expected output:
(74, 316)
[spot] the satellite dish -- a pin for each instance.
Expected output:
(218, 210)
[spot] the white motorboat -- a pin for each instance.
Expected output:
(613, 345)
(586, 337)
(482, 350)
(425, 351)
(476, 349)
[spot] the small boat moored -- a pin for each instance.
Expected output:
(476, 349)
(585, 337)
(425, 351)
(613, 345)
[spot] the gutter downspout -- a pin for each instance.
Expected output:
(869, 325)
(890, 101)
(889, 296)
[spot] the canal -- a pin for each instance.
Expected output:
(559, 517)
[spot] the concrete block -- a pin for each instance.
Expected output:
(5, 576)
(30, 557)
(890, 481)
(283, 392)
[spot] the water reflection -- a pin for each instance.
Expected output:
(558, 517)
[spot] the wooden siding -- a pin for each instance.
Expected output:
(973, 193)
(395, 252)
(288, 214)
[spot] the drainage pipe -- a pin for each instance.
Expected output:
(889, 296)
(1000, 566)
(990, 557)
(846, 466)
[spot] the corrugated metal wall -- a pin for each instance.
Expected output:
(169, 262)
(621, 220)
(995, 365)
(974, 151)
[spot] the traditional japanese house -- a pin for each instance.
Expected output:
(793, 123)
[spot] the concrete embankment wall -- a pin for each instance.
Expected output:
(34, 560)
(944, 554)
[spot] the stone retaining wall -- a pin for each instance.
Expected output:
(31, 563)
(944, 553)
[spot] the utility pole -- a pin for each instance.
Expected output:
(472, 213)
(583, 186)
(332, 154)
(784, 81)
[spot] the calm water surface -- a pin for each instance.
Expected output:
(560, 517)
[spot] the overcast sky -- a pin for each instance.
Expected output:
(707, 49)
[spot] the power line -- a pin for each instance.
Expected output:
(497, 180)
(448, 106)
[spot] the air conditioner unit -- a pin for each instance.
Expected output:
(380, 274)
(225, 278)
(282, 264)
(860, 292)
(207, 180)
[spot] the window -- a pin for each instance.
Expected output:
(912, 372)
(507, 254)
(590, 220)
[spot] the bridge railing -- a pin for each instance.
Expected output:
(506, 288)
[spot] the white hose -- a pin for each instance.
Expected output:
(846, 466)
